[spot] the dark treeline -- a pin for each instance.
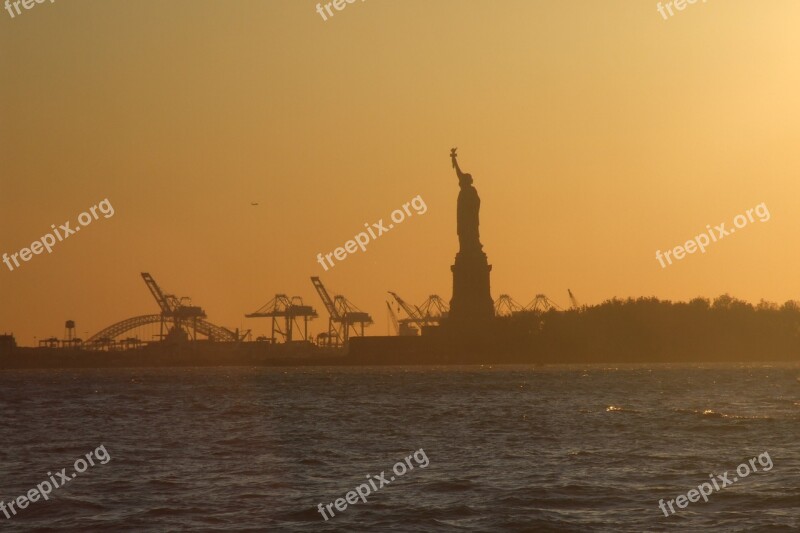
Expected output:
(652, 330)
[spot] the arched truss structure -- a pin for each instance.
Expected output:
(212, 331)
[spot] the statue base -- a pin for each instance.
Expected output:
(472, 302)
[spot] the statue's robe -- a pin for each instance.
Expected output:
(469, 204)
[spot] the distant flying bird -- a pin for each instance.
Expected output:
(253, 203)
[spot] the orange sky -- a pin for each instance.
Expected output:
(596, 133)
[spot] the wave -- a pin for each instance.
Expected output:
(618, 409)
(711, 413)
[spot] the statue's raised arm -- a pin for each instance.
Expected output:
(454, 158)
(463, 179)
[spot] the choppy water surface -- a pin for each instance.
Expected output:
(510, 448)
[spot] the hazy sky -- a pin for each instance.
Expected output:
(596, 132)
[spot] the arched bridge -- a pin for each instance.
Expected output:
(174, 313)
(212, 331)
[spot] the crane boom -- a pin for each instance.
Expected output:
(157, 293)
(393, 318)
(413, 312)
(326, 299)
(573, 300)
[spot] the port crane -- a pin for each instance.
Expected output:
(415, 319)
(173, 310)
(402, 327)
(505, 305)
(433, 310)
(542, 304)
(430, 313)
(573, 300)
(288, 309)
(343, 317)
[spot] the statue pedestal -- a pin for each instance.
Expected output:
(472, 303)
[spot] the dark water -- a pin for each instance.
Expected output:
(509, 449)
